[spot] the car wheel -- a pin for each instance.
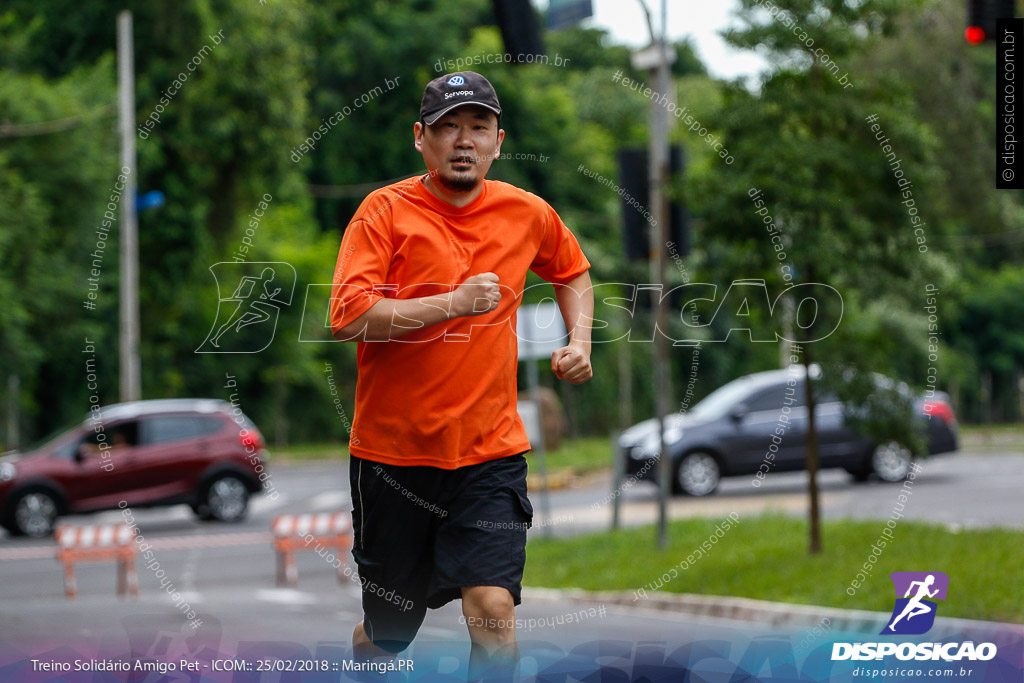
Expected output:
(34, 514)
(891, 461)
(697, 474)
(226, 499)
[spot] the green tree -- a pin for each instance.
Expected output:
(988, 327)
(805, 146)
(218, 144)
(57, 169)
(952, 88)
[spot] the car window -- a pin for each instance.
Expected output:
(70, 448)
(66, 450)
(767, 400)
(119, 434)
(774, 399)
(178, 428)
(48, 442)
(95, 441)
(719, 401)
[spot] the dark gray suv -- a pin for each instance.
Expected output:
(757, 424)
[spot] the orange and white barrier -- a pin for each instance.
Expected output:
(294, 533)
(95, 543)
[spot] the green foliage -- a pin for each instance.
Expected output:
(805, 147)
(227, 136)
(878, 406)
(991, 314)
(51, 205)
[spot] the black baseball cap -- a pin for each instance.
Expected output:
(454, 90)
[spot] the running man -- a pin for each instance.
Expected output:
(250, 308)
(429, 277)
(915, 607)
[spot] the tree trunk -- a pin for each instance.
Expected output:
(812, 428)
(812, 455)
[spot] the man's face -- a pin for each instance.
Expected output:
(459, 147)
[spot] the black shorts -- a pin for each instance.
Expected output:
(424, 533)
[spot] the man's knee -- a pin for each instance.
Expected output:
(489, 607)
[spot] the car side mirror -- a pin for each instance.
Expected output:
(80, 453)
(738, 412)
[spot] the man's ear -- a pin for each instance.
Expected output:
(497, 147)
(418, 130)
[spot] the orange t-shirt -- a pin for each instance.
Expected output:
(444, 395)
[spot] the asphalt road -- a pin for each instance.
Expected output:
(959, 490)
(227, 572)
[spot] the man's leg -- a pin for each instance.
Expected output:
(393, 548)
(363, 649)
(480, 555)
(491, 618)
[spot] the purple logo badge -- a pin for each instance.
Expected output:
(914, 612)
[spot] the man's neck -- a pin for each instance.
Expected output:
(456, 199)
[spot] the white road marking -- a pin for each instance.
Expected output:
(262, 504)
(33, 553)
(175, 513)
(329, 500)
(211, 540)
(286, 596)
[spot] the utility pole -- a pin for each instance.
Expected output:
(130, 367)
(658, 179)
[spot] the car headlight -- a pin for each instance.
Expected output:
(650, 444)
(7, 471)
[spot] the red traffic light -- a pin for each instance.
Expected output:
(975, 35)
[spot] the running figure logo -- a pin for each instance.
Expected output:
(247, 319)
(914, 613)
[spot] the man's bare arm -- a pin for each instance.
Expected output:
(393, 318)
(576, 302)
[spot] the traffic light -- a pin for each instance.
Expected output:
(633, 179)
(981, 18)
(519, 30)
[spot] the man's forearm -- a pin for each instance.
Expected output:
(576, 302)
(394, 318)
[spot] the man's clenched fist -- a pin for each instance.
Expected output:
(572, 364)
(479, 294)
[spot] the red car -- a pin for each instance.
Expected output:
(202, 452)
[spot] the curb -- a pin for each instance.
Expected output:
(778, 614)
